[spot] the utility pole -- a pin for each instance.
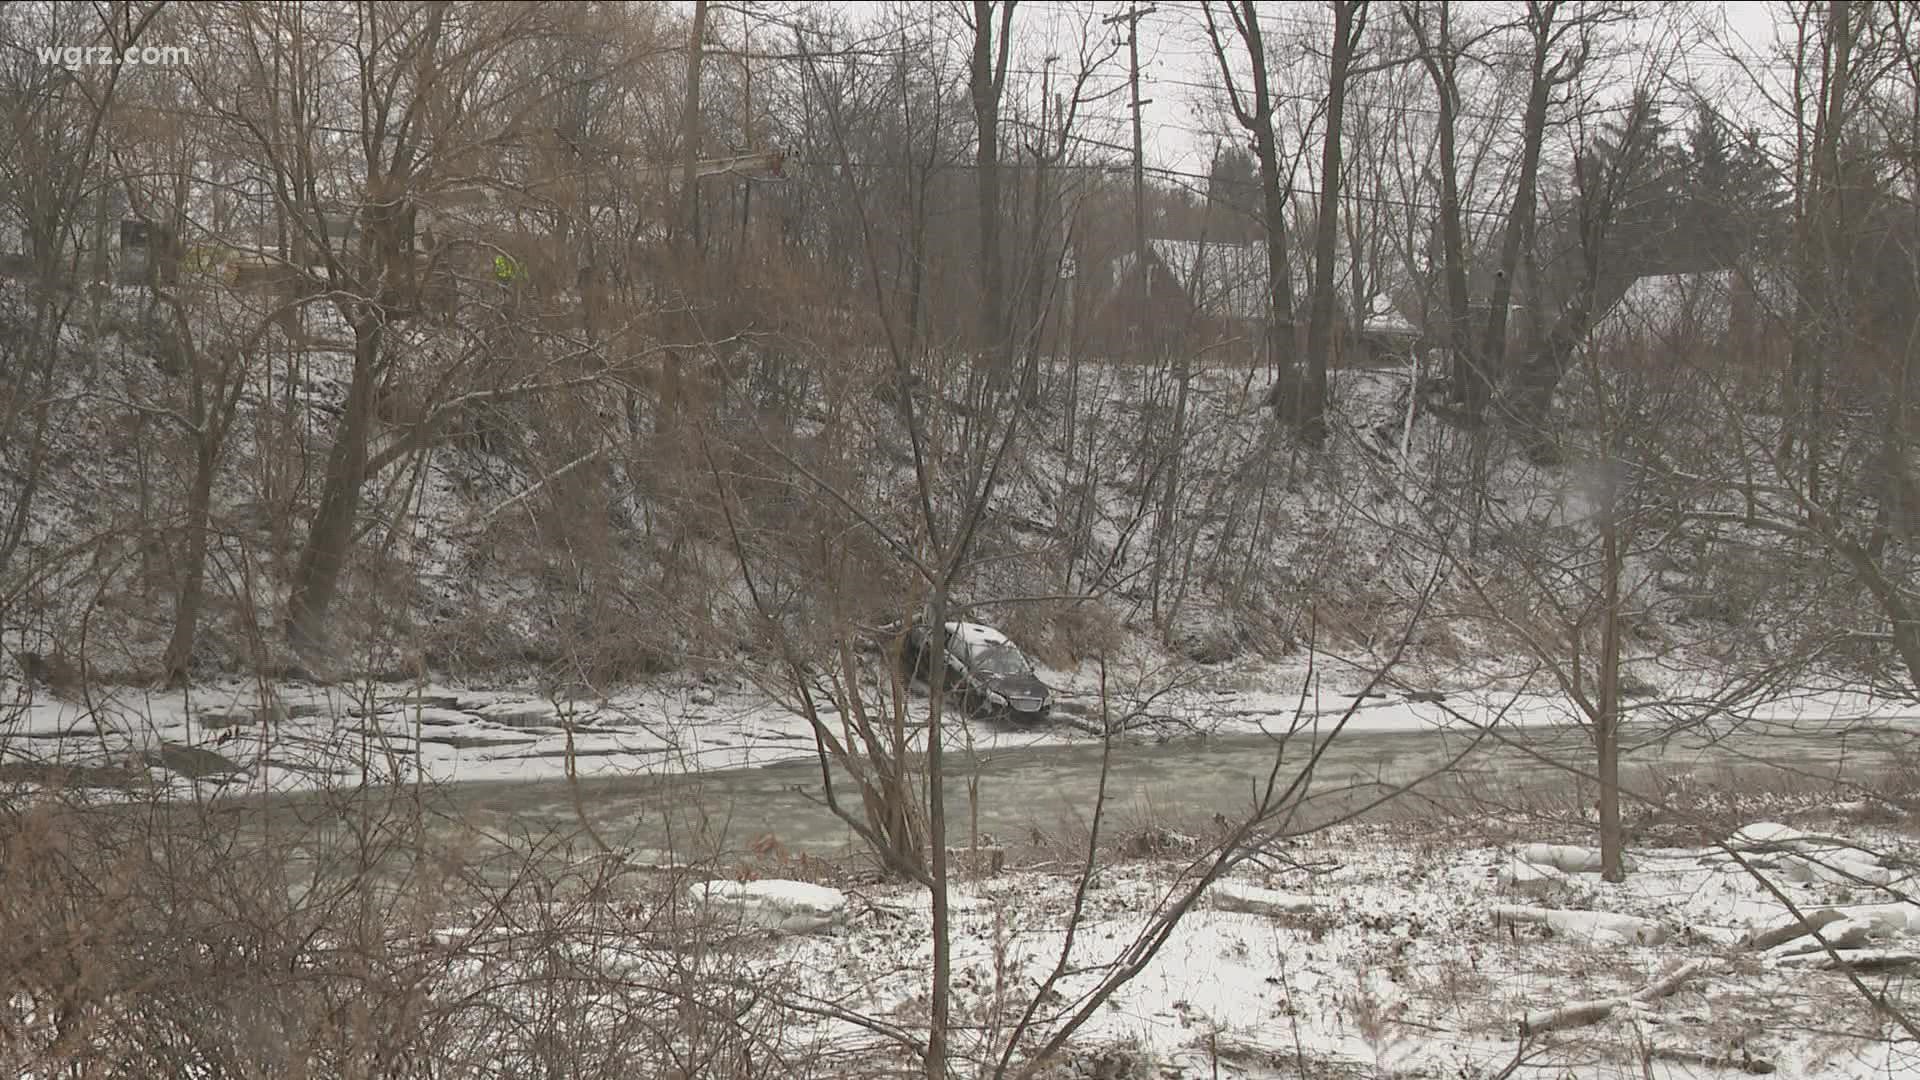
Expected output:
(1132, 17)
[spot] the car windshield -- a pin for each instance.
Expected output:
(1000, 660)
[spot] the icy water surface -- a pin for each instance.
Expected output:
(1010, 793)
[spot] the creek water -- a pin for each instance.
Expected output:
(1009, 794)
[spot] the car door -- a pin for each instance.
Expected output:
(960, 665)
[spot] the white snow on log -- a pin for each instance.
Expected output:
(1566, 858)
(1886, 919)
(1598, 927)
(1234, 896)
(1853, 958)
(1811, 858)
(1530, 878)
(1792, 927)
(1833, 869)
(1581, 1013)
(1840, 934)
(1765, 833)
(793, 907)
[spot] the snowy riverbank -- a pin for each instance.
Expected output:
(291, 736)
(1367, 951)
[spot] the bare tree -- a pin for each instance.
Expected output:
(51, 153)
(987, 82)
(425, 88)
(1550, 63)
(1349, 22)
(1440, 55)
(689, 218)
(1253, 108)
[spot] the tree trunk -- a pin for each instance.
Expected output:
(1520, 221)
(1165, 521)
(1539, 373)
(193, 575)
(942, 990)
(1606, 731)
(1349, 18)
(690, 130)
(1273, 207)
(988, 77)
(1826, 287)
(1438, 59)
(317, 577)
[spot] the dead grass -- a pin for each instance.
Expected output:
(345, 934)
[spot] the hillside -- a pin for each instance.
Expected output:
(578, 538)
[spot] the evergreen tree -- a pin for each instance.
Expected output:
(1233, 197)
(1733, 206)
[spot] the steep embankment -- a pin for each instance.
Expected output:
(582, 531)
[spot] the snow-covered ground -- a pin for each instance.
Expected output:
(1385, 950)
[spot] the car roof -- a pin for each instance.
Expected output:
(975, 635)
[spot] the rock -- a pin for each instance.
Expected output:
(791, 907)
(1235, 896)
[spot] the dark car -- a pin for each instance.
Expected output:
(985, 670)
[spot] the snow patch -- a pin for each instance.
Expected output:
(791, 907)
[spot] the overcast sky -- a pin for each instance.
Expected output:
(1718, 44)
(1177, 70)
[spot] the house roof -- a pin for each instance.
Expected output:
(1229, 280)
(1665, 305)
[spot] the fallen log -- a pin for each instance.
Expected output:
(1578, 1014)
(1744, 1062)
(1842, 934)
(1667, 984)
(1798, 928)
(1597, 926)
(1234, 896)
(1856, 959)
(1582, 1013)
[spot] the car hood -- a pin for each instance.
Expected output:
(1021, 691)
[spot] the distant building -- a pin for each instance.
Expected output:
(1725, 313)
(1203, 294)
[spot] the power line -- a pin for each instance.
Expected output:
(1157, 171)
